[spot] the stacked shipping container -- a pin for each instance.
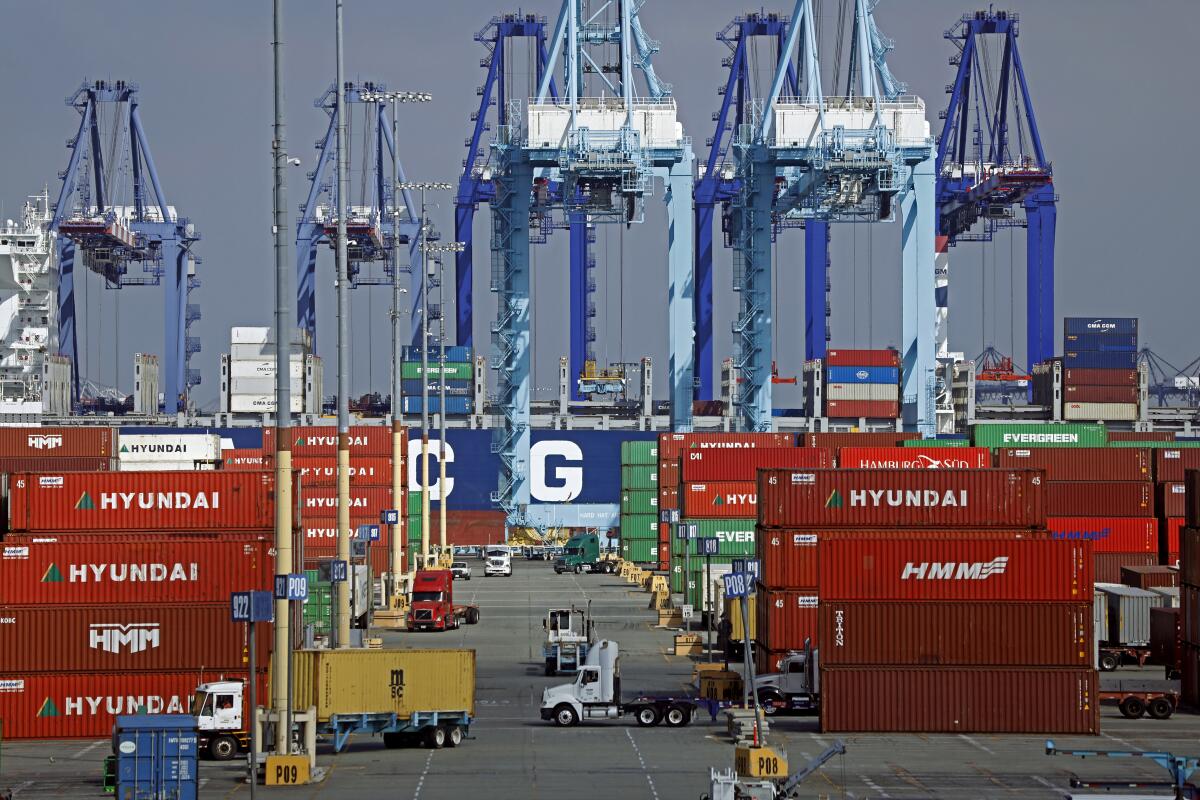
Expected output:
(457, 374)
(1099, 368)
(1189, 590)
(639, 502)
(862, 384)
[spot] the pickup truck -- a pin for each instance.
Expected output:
(596, 694)
(433, 607)
(461, 570)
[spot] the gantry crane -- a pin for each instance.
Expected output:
(597, 151)
(121, 233)
(821, 158)
(990, 164)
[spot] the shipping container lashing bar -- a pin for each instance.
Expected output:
(1180, 767)
(799, 168)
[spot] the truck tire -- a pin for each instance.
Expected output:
(647, 716)
(454, 736)
(435, 738)
(565, 716)
(222, 748)
(1132, 707)
(578, 569)
(1109, 661)
(677, 716)
(1160, 708)
(767, 699)
(472, 616)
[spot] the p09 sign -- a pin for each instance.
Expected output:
(293, 586)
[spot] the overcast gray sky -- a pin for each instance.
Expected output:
(1110, 81)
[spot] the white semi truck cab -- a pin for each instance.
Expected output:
(796, 687)
(219, 709)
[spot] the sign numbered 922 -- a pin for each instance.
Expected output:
(738, 584)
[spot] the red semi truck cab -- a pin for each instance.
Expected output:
(432, 607)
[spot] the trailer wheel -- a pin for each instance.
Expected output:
(1109, 661)
(648, 716)
(472, 616)
(578, 569)
(1160, 708)
(565, 716)
(1132, 707)
(677, 716)
(222, 748)
(454, 736)
(435, 738)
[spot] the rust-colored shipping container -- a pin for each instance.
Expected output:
(84, 705)
(246, 460)
(1166, 629)
(1189, 670)
(672, 446)
(767, 661)
(133, 568)
(38, 442)
(1108, 534)
(322, 501)
(668, 497)
(1149, 576)
(1168, 540)
(743, 465)
(365, 471)
(1080, 393)
(1189, 609)
(1171, 463)
(1099, 498)
(1189, 557)
(50, 464)
(836, 441)
(985, 498)
(862, 358)
(1099, 377)
(720, 500)
(1191, 497)
(141, 501)
(668, 474)
(914, 458)
(316, 551)
(322, 440)
(973, 569)
(1081, 463)
(1141, 436)
(120, 638)
(325, 528)
(1106, 567)
(959, 700)
(785, 618)
(1171, 499)
(859, 409)
(956, 634)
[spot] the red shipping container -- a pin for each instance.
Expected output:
(743, 465)
(1189, 609)
(38, 442)
(862, 358)
(1166, 629)
(1107, 566)
(1108, 534)
(1171, 463)
(243, 460)
(48, 464)
(956, 634)
(322, 440)
(1189, 557)
(1081, 463)
(785, 618)
(1141, 436)
(1078, 393)
(836, 441)
(672, 446)
(137, 568)
(668, 497)
(768, 661)
(84, 705)
(858, 409)
(1168, 540)
(1149, 576)
(144, 501)
(367, 471)
(959, 700)
(1172, 500)
(324, 528)
(322, 501)
(986, 498)
(914, 458)
(720, 500)
(1099, 377)
(1099, 498)
(668, 474)
(1189, 669)
(114, 638)
(379, 556)
(1191, 498)
(954, 569)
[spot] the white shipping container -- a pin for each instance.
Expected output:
(862, 391)
(161, 448)
(262, 403)
(1096, 412)
(264, 367)
(263, 335)
(264, 385)
(166, 466)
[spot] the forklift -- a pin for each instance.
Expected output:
(570, 634)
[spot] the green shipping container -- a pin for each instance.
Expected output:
(641, 477)
(735, 537)
(640, 551)
(639, 501)
(1158, 445)
(936, 443)
(694, 595)
(639, 526)
(414, 503)
(451, 370)
(1040, 435)
(639, 453)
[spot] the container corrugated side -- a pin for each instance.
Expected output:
(1170, 463)
(13, 464)
(1032, 434)
(672, 446)
(859, 409)
(786, 618)
(377, 556)
(1100, 498)
(1081, 463)
(639, 501)
(84, 568)
(244, 460)
(74, 442)
(1141, 436)
(1129, 614)
(639, 526)
(133, 638)
(862, 358)
(969, 569)
(1191, 498)
(720, 499)
(1100, 394)
(1172, 499)
(322, 440)
(349, 682)
(1113, 412)
(1107, 566)
(203, 500)
(1166, 627)
(864, 392)
(1149, 576)
(640, 551)
(1032, 634)
(912, 457)
(1108, 534)
(735, 537)
(641, 477)
(365, 500)
(836, 441)
(1080, 376)
(364, 471)
(637, 452)
(743, 465)
(959, 700)
(986, 498)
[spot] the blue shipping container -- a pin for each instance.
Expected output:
(411, 387)
(453, 353)
(862, 375)
(1099, 342)
(156, 756)
(1126, 326)
(1092, 360)
(454, 405)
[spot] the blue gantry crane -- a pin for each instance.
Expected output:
(113, 212)
(375, 224)
(817, 158)
(991, 166)
(595, 152)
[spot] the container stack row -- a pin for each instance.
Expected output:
(457, 374)
(1098, 369)
(639, 502)
(854, 384)
(1189, 592)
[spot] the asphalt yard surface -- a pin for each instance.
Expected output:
(514, 754)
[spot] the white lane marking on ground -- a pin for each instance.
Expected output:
(642, 761)
(1046, 783)
(21, 787)
(580, 587)
(202, 782)
(873, 786)
(982, 747)
(424, 772)
(87, 749)
(1119, 740)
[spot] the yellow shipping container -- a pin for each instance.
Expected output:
(733, 609)
(384, 681)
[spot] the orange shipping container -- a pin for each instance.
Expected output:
(91, 442)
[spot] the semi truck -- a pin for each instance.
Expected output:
(407, 696)
(596, 694)
(570, 634)
(582, 554)
(796, 687)
(433, 607)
